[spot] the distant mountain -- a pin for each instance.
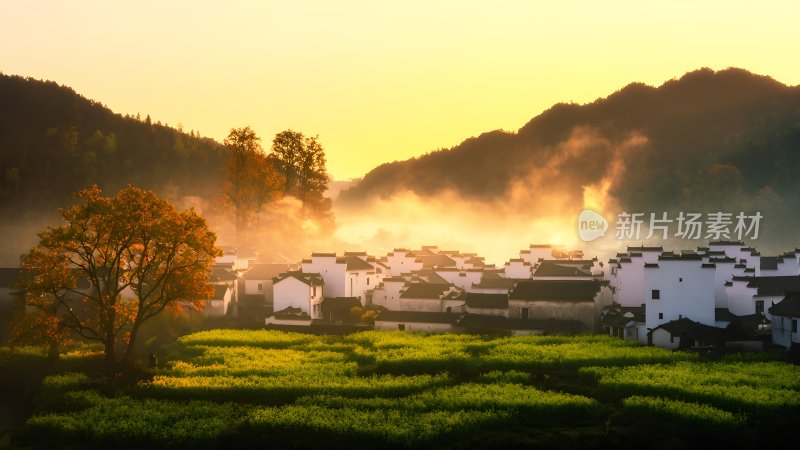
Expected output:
(726, 139)
(54, 142)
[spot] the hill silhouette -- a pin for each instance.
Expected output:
(54, 142)
(708, 139)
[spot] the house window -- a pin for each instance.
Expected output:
(449, 309)
(660, 315)
(523, 313)
(671, 339)
(401, 327)
(655, 294)
(367, 281)
(260, 286)
(314, 292)
(759, 306)
(680, 280)
(794, 325)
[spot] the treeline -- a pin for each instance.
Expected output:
(708, 139)
(54, 142)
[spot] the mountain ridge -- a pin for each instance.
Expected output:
(669, 116)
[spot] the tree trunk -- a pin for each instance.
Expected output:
(126, 359)
(111, 356)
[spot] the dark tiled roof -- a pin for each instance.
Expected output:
(311, 279)
(752, 321)
(425, 290)
(264, 271)
(645, 249)
(291, 313)
(495, 283)
(429, 276)
(417, 317)
(616, 320)
(723, 315)
(456, 295)
(219, 274)
(773, 285)
(770, 262)
(354, 263)
(686, 327)
(219, 292)
(340, 304)
(482, 322)
(324, 255)
(727, 259)
(489, 301)
(726, 243)
(651, 265)
(556, 269)
(437, 260)
(556, 290)
(686, 257)
(788, 307)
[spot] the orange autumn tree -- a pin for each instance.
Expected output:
(115, 263)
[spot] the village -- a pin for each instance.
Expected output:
(724, 295)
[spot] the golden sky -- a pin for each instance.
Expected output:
(381, 81)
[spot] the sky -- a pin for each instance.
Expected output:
(381, 81)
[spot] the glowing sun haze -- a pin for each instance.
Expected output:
(380, 81)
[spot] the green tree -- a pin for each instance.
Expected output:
(251, 181)
(301, 161)
(137, 255)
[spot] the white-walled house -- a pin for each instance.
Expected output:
(486, 304)
(756, 295)
(228, 255)
(217, 305)
(684, 333)
(402, 261)
(428, 297)
(493, 285)
(777, 266)
(629, 283)
(563, 270)
(300, 290)
(258, 280)
(729, 249)
(724, 272)
(461, 278)
(625, 322)
(421, 321)
(566, 300)
(387, 293)
(786, 314)
(245, 258)
(649, 255)
(679, 287)
(346, 276)
(535, 252)
(518, 268)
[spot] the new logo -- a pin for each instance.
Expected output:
(591, 225)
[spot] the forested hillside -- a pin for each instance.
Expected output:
(708, 139)
(53, 142)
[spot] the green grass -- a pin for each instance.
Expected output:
(395, 389)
